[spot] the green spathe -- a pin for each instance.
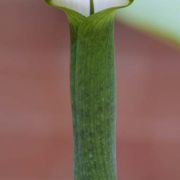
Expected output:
(93, 93)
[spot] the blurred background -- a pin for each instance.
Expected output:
(35, 114)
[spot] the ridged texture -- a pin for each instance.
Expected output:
(93, 97)
(93, 92)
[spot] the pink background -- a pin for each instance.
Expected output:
(35, 118)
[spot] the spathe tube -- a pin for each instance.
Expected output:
(93, 95)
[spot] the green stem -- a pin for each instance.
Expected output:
(93, 99)
(93, 91)
(91, 7)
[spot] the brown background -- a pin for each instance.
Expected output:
(35, 119)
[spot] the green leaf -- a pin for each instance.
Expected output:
(160, 17)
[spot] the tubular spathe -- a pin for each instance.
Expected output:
(92, 84)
